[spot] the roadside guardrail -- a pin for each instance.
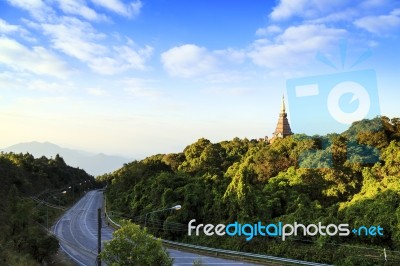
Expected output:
(260, 258)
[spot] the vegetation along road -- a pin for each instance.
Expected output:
(77, 231)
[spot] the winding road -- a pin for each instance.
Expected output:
(77, 232)
(77, 229)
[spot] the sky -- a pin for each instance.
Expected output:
(142, 77)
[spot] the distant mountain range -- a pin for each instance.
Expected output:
(93, 164)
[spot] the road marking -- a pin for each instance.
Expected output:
(175, 257)
(74, 219)
(211, 263)
(80, 212)
(72, 257)
(85, 219)
(72, 215)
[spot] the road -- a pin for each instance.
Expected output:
(77, 231)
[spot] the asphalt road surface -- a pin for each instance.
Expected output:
(77, 231)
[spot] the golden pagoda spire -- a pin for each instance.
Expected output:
(283, 109)
(282, 128)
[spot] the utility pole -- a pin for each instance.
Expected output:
(47, 217)
(384, 253)
(98, 236)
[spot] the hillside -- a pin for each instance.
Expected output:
(351, 178)
(23, 238)
(94, 164)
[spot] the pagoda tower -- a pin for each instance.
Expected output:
(282, 128)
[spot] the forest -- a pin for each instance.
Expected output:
(24, 222)
(352, 177)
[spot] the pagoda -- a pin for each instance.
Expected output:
(282, 128)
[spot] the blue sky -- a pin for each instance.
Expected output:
(142, 77)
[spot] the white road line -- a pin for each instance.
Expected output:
(204, 260)
(209, 263)
(70, 230)
(74, 221)
(73, 214)
(72, 257)
(85, 218)
(197, 257)
(78, 220)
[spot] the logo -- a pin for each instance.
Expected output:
(331, 103)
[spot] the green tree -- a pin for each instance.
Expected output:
(133, 246)
(353, 177)
(23, 241)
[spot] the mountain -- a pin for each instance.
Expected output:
(94, 164)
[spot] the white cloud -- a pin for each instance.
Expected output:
(380, 25)
(42, 10)
(37, 60)
(134, 58)
(231, 55)
(38, 8)
(27, 4)
(288, 8)
(75, 38)
(48, 86)
(316, 26)
(97, 92)
(348, 15)
(8, 28)
(79, 7)
(103, 65)
(124, 58)
(192, 61)
(143, 92)
(226, 76)
(80, 40)
(268, 30)
(294, 46)
(142, 88)
(229, 91)
(131, 9)
(23, 81)
(55, 100)
(13, 80)
(374, 4)
(313, 9)
(188, 60)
